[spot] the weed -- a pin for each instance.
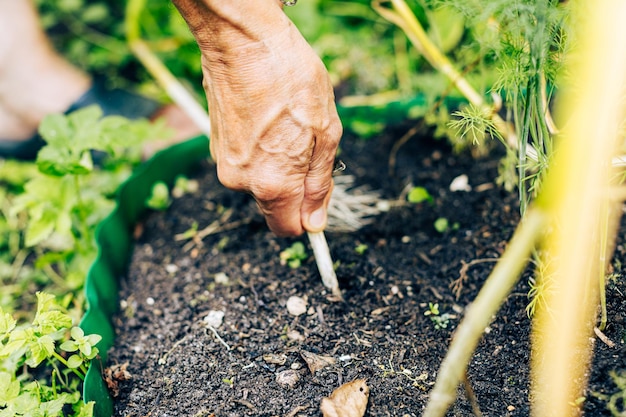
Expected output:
(440, 321)
(419, 195)
(442, 225)
(294, 255)
(159, 197)
(360, 249)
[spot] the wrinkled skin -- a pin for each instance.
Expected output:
(275, 128)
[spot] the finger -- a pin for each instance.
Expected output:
(281, 207)
(318, 183)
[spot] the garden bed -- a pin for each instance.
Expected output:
(392, 272)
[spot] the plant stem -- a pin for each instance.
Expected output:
(498, 285)
(175, 90)
(324, 262)
(574, 193)
(64, 362)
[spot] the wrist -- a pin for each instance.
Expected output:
(221, 26)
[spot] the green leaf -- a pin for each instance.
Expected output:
(55, 130)
(441, 224)
(7, 323)
(84, 410)
(419, 195)
(74, 362)
(69, 346)
(39, 228)
(40, 349)
(9, 388)
(160, 197)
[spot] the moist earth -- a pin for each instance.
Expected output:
(185, 359)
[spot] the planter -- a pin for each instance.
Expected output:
(389, 330)
(114, 238)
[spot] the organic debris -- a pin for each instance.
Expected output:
(349, 400)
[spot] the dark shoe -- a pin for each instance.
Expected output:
(111, 101)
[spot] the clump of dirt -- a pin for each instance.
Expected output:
(205, 328)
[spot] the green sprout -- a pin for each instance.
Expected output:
(440, 321)
(294, 255)
(419, 195)
(442, 225)
(160, 197)
(361, 248)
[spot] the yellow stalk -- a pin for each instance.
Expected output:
(574, 194)
(497, 287)
(174, 89)
(401, 15)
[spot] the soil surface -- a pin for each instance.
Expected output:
(185, 360)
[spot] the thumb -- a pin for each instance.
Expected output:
(315, 210)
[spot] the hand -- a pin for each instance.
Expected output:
(275, 128)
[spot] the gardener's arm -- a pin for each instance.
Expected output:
(275, 128)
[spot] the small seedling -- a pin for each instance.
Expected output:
(441, 321)
(294, 255)
(361, 248)
(442, 225)
(419, 195)
(160, 197)
(184, 185)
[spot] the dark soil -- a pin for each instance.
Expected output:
(180, 367)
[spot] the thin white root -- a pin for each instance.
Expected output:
(324, 262)
(351, 208)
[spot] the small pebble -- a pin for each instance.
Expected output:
(288, 378)
(171, 268)
(460, 183)
(214, 318)
(296, 305)
(150, 301)
(221, 278)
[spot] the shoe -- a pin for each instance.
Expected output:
(111, 101)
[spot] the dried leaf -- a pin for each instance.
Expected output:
(316, 362)
(349, 400)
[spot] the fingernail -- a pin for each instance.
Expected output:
(317, 220)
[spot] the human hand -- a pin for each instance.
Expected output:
(274, 125)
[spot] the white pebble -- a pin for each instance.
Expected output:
(460, 183)
(221, 278)
(150, 301)
(296, 305)
(214, 318)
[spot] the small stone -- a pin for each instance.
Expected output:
(460, 183)
(295, 335)
(296, 305)
(221, 278)
(171, 268)
(316, 362)
(288, 378)
(275, 358)
(150, 301)
(214, 318)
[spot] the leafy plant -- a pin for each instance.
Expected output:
(294, 255)
(48, 338)
(440, 321)
(159, 196)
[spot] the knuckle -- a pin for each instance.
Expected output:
(273, 190)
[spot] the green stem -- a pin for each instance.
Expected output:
(82, 218)
(491, 296)
(64, 362)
